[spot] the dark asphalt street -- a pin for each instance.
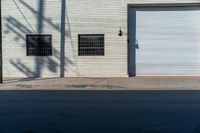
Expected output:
(100, 112)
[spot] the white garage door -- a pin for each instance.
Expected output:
(168, 41)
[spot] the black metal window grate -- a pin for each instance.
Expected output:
(91, 44)
(39, 45)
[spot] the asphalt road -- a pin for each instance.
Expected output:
(100, 112)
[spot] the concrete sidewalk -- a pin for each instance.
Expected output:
(137, 83)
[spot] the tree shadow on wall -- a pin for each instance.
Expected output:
(20, 30)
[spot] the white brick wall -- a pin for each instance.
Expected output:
(15, 28)
(82, 17)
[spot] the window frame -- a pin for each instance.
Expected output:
(39, 35)
(103, 45)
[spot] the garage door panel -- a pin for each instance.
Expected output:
(169, 41)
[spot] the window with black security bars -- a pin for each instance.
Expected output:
(91, 44)
(39, 45)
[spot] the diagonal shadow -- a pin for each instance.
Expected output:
(13, 26)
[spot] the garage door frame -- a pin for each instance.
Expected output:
(132, 53)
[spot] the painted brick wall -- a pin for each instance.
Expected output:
(81, 17)
(15, 28)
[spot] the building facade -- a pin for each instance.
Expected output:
(101, 38)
